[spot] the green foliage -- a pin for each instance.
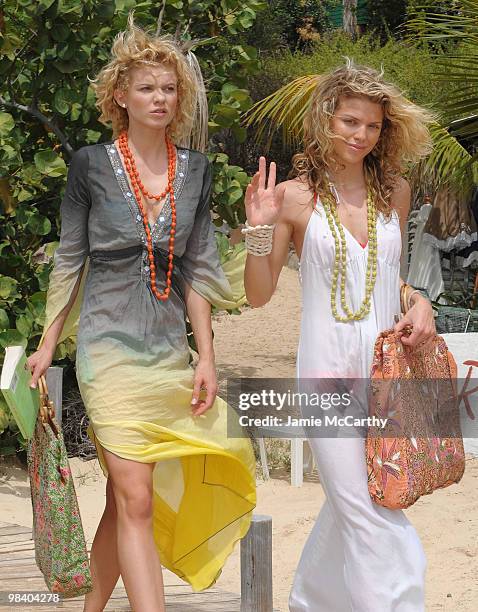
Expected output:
(385, 17)
(456, 74)
(289, 24)
(229, 183)
(48, 51)
(11, 440)
(442, 7)
(6, 417)
(408, 66)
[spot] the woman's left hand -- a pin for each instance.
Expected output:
(204, 378)
(420, 317)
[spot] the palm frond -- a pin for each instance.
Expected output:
(284, 109)
(466, 128)
(466, 67)
(461, 107)
(450, 161)
(438, 27)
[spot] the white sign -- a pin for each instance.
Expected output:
(464, 347)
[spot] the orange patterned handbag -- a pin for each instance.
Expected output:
(420, 449)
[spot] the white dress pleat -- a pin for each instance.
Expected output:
(359, 557)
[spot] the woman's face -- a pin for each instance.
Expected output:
(152, 96)
(357, 124)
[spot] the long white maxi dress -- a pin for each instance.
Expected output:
(359, 557)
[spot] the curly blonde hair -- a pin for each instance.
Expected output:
(132, 48)
(404, 137)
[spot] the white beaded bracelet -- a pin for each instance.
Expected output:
(258, 239)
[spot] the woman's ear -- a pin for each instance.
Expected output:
(119, 97)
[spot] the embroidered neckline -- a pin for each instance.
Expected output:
(163, 221)
(164, 218)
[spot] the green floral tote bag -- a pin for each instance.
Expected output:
(60, 547)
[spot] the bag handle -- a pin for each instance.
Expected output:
(407, 330)
(47, 409)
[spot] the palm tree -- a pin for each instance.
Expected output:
(350, 17)
(450, 161)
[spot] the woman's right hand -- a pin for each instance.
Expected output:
(38, 363)
(262, 203)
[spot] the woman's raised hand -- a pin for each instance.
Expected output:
(262, 203)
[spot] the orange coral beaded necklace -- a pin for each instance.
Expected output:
(139, 189)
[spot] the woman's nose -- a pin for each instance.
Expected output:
(159, 95)
(360, 132)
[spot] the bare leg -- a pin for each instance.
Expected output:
(139, 563)
(104, 562)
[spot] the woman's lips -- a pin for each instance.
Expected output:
(356, 147)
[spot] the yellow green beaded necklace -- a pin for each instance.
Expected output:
(340, 262)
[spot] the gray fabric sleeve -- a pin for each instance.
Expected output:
(201, 267)
(71, 255)
(74, 212)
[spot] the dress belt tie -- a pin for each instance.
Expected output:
(160, 259)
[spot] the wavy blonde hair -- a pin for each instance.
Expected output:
(404, 137)
(133, 48)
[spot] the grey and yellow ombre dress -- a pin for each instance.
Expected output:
(133, 357)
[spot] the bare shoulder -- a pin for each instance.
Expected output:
(402, 186)
(400, 199)
(401, 194)
(296, 198)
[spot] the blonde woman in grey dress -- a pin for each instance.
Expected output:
(179, 492)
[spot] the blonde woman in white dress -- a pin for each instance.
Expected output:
(347, 192)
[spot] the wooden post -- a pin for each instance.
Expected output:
(262, 450)
(256, 566)
(54, 381)
(296, 462)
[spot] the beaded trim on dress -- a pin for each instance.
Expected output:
(164, 218)
(179, 181)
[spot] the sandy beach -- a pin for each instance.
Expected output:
(263, 343)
